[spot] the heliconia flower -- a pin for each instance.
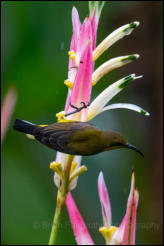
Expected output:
(125, 233)
(7, 110)
(122, 235)
(81, 233)
(81, 74)
(81, 77)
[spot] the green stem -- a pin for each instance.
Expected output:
(56, 222)
(61, 197)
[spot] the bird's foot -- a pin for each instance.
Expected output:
(85, 105)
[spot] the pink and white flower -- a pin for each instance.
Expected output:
(81, 77)
(81, 74)
(122, 235)
(125, 233)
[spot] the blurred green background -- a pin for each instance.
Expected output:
(35, 40)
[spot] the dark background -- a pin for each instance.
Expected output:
(35, 41)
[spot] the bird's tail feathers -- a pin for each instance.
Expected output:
(24, 126)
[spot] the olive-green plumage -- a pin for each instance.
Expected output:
(74, 138)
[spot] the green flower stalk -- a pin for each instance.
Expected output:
(61, 197)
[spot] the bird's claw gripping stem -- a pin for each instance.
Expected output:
(85, 105)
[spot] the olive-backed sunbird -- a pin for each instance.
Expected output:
(74, 137)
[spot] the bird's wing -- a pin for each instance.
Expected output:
(71, 133)
(59, 135)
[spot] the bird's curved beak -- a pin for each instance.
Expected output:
(130, 146)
